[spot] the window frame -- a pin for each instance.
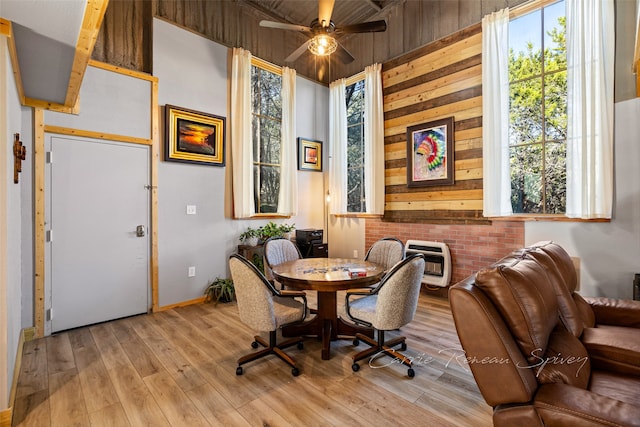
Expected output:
(360, 77)
(544, 140)
(274, 69)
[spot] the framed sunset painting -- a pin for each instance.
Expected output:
(194, 137)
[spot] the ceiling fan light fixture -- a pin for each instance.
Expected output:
(323, 44)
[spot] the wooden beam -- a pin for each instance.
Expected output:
(93, 16)
(39, 220)
(97, 135)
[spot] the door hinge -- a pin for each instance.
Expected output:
(49, 235)
(49, 314)
(49, 157)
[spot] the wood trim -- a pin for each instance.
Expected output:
(199, 300)
(5, 27)
(125, 71)
(155, 159)
(265, 65)
(93, 16)
(97, 135)
(39, 220)
(52, 106)
(26, 334)
(551, 218)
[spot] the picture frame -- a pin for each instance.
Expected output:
(194, 137)
(430, 154)
(309, 155)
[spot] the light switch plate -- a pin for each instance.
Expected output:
(192, 271)
(191, 209)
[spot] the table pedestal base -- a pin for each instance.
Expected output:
(326, 325)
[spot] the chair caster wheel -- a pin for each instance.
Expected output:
(254, 344)
(356, 342)
(403, 347)
(239, 370)
(295, 372)
(300, 345)
(355, 367)
(411, 373)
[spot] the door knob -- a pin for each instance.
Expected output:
(140, 231)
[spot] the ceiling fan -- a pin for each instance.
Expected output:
(321, 33)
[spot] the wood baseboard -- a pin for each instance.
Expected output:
(199, 300)
(6, 415)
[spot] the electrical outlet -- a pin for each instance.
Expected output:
(355, 253)
(191, 209)
(192, 271)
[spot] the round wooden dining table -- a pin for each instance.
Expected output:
(327, 276)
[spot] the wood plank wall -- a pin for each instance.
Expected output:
(441, 79)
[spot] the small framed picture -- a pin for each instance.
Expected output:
(309, 155)
(193, 137)
(430, 154)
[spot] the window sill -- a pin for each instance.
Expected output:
(357, 215)
(552, 218)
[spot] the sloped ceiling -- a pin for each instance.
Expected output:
(50, 44)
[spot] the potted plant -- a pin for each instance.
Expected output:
(250, 236)
(287, 230)
(269, 230)
(220, 290)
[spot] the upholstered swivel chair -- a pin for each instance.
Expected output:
(265, 309)
(276, 251)
(390, 305)
(386, 252)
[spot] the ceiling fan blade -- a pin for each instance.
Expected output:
(299, 51)
(343, 54)
(325, 9)
(364, 27)
(284, 26)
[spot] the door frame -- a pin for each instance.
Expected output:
(40, 190)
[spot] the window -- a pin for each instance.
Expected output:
(538, 111)
(266, 126)
(354, 94)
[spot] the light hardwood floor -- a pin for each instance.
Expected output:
(177, 368)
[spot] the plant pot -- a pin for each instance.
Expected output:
(251, 241)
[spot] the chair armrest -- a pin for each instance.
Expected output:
(562, 404)
(616, 312)
(292, 293)
(359, 291)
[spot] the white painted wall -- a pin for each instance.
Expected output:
(609, 252)
(10, 228)
(192, 73)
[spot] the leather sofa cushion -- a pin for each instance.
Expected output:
(565, 361)
(586, 312)
(614, 347)
(618, 312)
(561, 271)
(616, 386)
(522, 292)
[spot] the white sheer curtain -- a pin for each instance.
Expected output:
(590, 72)
(338, 147)
(495, 117)
(288, 197)
(373, 140)
(241, 141)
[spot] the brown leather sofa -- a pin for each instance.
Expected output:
(540, 353)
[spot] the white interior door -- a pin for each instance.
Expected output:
(99, 264)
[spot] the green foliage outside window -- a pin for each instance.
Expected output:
(538, 112)
(355, 147)
(266, 126)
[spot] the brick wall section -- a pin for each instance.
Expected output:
(472, 246)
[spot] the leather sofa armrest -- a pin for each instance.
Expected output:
(562, 404)
(616, 312)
